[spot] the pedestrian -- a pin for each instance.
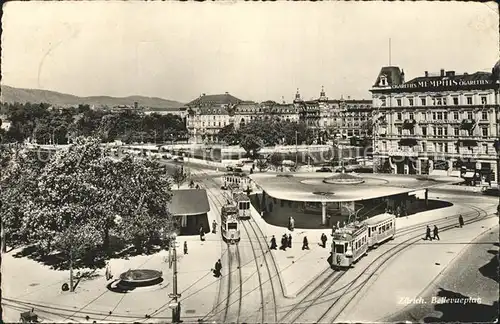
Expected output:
(428, 233)
(218, 268)
(292, 223)
(305, 244)
(461, 221)
(273, 243)
(185, 247)
(197, 186)
(323, 240)
(436, 233)
(284, 242)
(202, 234)
(214, 227)
(289, 240)
(333, 229)
(338, 224)
(108, 272)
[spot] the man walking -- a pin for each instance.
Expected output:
(214, 227)
(436, 233)
(289, 240)
(461, 221)
(218, 268)
(202, 234)
(305, 244)
(428, 233)
(185, 247)
(323, 240)
(273, 243)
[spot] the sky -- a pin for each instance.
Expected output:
(254, 50)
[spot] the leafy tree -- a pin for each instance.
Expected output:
(251, 144)
(261, 164)
(276, 160)
(228, 134)
(179, 176)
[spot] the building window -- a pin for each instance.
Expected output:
(434, 115)
(485, 148)
(423, 101)
(440, 131)
(445, 131)
(411, 116)
(456, 131)
(455, 115)
(434, 131)
(484, 100)
(424, 147)
(410, 101)
(440, 115)
(484, 115)
(398, 102)
(446, 147)
(445, 115)
(469, 100)
(469, 115)
(424, 131)
(399, 116)
(484, 131)
(455, 101)
(400, 131)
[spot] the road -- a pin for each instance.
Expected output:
(473, 276)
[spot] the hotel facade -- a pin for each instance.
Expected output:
(443, 123)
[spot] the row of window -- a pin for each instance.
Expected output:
(446, 148)
(443, 131)
(442, 115)
(436, 101)
(359, 243)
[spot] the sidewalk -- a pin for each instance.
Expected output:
(294, 263)
(420, 264)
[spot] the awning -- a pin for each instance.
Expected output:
(468, 175)
(186, 202)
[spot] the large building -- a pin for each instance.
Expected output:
(208, 114)
(444, 122)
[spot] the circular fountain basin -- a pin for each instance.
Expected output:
(344, 179)
(141, 277)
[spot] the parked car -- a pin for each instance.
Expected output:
(324, 169)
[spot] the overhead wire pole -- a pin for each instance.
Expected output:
(175, 305)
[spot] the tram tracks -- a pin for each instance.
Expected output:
(340, 298)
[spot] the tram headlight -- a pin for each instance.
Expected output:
(232, 235)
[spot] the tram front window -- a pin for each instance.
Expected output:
(339, 249)
(232, 226)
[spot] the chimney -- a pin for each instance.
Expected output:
(426, 73)
(348, 97)
(202, 94)
(450, 73)
(442, 72)
(465, 73)
(227, 92)
(402, 76)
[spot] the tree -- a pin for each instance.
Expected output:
(179, 176)
(261, 164)
(251, 144)
(276, 160)
(228, 134)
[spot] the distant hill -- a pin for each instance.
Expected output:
(11, 95)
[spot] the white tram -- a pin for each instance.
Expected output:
(242, 202)
(230, 226)
(349, 244)
(353, 241)
(380, 228)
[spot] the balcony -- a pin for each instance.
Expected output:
(468, 125)
(467, 143)
(409, 124)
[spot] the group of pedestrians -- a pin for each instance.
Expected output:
(286, 242)
(435, 230)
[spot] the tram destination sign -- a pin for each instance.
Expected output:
(442, 84)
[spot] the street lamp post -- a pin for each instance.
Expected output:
(175, 305)
(296, 148)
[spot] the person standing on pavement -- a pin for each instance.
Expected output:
(185, 247)
(202, 234)
(284, 243)
(428, 233)
(218, 268)
(273, 243)
(214, 227)
(305, 244)
(292, 223)
(461, 221)
(436, 233)
(289, 240)
(323, 240)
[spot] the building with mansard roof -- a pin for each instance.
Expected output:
(436, 123)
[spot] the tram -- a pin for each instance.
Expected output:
(380, 229)
(230, 226)
(242, 202)
(349, 244)
(352, 242)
